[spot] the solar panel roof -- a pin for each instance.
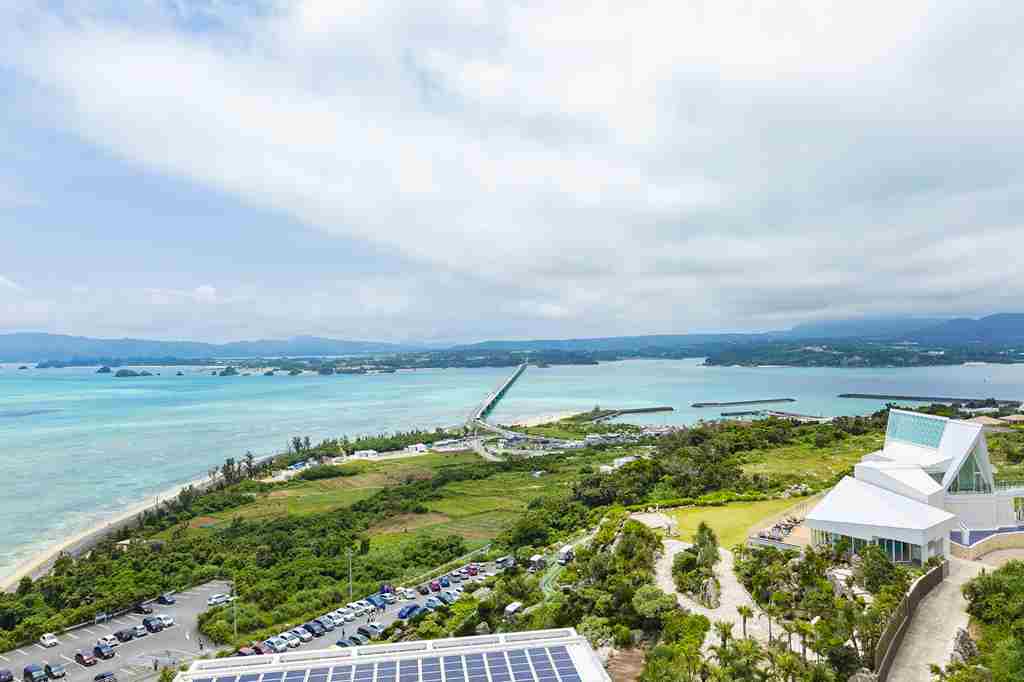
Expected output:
(534, 664)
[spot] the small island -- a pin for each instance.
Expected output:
(129, 373)
(23, 367)
(269, 373)
(103, 370)
(228, 372)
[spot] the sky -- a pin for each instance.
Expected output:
(454, 171)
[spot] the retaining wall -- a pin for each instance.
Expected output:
(892, 636)
(979, 549)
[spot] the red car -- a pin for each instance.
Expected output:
(261, 649)
(472, 570)
(435, 586)
(245, 651)
(83, 658)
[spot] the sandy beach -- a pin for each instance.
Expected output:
(40, 563)
(543, 418)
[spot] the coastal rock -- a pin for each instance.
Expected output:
(129, 373)
(228, 372)
(103, 370)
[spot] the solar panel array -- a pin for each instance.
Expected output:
(537, 664)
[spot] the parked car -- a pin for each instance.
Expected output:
(261, 648)
(108, 640)
(245, 651)
(166, 599)
(125, 635)
(139, 631)
(376, 600)
(435, 586)
(314, 628)
(103, 651)
(84, 658)
(444, 581)
(434, 602)
(167, 621)
(143, 609)
(276, 645)
(54, 670)
(303, 634)
(446, 596)
(291, 639)
(344, 642)
(359, 640)
(347, 615)
(213, 600)
(408, 611)
(49, 639)
(33, 673)
(472, 570)
(325, 622)
(153, 623)
(423, 589)
(104, 677)
(6, 675)
(455, 577)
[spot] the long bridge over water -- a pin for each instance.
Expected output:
(493, 398)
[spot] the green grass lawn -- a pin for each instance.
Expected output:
(731, 522)
(805, 463)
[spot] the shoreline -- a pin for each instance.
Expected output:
(40, 562)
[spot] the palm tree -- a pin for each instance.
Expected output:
(804, 629)
(772, 610)
(745, 613)
(724, 630)
(788, 665)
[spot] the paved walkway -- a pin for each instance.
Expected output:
(733, 595)
(929, 637)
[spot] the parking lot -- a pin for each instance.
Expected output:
(133, 659)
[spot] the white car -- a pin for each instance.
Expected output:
(348, 616)
(217, 600)
(165, 619)
(108, 640)
(408, 593)
(302, 634)
(389, 598)
(291, 638)
(49, 639)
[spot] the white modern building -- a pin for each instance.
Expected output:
(932, 481)
(532, 656)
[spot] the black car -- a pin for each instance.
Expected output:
(166, 599)
(423, 589)
(314, 628)
(102, 651)
(325, 623)
(105, 677)
(125, 635)
(153, 624)
(142, 608)
(6, 675)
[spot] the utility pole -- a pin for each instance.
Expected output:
(350, 574)
(234, 607)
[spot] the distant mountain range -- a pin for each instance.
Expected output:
(1001, 329)
(38, 347)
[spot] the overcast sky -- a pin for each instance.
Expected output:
(463, 170)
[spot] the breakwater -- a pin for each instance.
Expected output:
(736, 403)
(925, 398)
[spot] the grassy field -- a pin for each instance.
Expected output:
(477, 510)
(731, 522)
(806, 463)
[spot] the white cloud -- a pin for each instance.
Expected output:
(687, 165)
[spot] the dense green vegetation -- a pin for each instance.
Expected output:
(996, 605)
(693, 568)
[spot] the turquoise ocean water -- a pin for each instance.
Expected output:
(76, 446)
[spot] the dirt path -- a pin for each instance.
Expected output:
(929, 637)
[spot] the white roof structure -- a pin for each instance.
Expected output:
(860, 503)
(534, 656)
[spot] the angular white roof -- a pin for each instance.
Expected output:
(909, 475)
(857, 502)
